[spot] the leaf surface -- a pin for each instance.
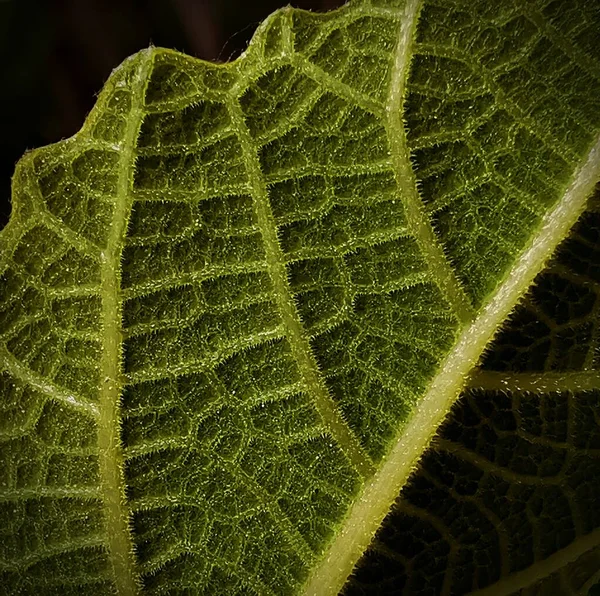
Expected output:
(238, 304)
(504, 502)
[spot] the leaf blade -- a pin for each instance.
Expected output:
(208, 313)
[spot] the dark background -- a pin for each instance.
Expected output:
(56, 54)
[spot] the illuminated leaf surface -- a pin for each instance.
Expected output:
(237, 305)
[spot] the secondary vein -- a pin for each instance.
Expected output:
(543, 569)
(298, 341)
(544, 382)
(43, 385)
(109, 444)
(416, 216)
(381, 490)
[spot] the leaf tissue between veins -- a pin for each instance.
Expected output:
(321, 320)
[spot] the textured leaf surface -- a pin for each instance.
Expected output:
(236, 306)
(506, 498)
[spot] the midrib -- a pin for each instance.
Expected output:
(295, 333)
(120, 548)
(380, 491)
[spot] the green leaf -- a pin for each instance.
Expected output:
(236, 307)
(505, 500)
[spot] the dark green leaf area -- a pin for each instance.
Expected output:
(556, 326)
(352, 266)
(57, 265)
(52, 530)
(50, 521)
(191, 126)
(65, 189)
(375, 390)
(60, 352)
(501, 489)
(67, 536)
(72, 470)
(572, 579)
(355, 49)
(275, 99)
(327, 218)
(195, 484)
(340, 141)
(171, 243)
(52, 526)
(185, 171)
(495, 115)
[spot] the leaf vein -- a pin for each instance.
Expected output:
(295, 333)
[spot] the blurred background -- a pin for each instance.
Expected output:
(56, 54)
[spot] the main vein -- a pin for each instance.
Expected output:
(299, 343)
(381, 490)
(416, 216)
(109, 444)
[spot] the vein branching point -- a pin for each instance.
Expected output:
(250, 310)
